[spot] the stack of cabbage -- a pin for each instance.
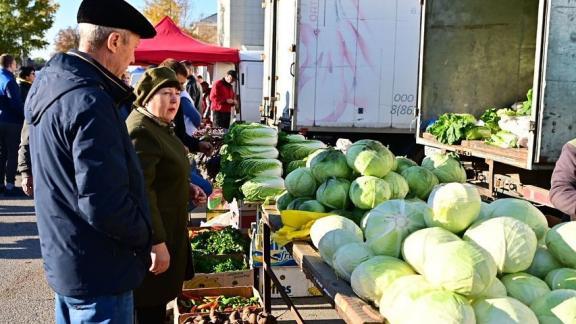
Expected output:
(249, 166)
(352, 183)
(454, 259)
(294, 149)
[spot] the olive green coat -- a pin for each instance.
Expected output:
(166, 169)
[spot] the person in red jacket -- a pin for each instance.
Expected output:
(563, 191)
(223, 99)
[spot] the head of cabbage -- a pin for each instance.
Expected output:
(561, 242)
(334, 193)
(328, 163)
(312, 206)
(454, 206)
(562, 278)
(420, 180)
(301, 183)
(520, 209)
(543, 263)
(557, 306)
(348, 257)
(333, 240)
(328, 223)
(366, 192)
(375, 275)
(459, 267)
(524, 287)
(283, 199)
(417, 246)
(446, 167)
(503, 310)
(369, 157)
(398, 185)
(387, 225)
(403, 163)
(510, 243)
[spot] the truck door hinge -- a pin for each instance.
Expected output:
(532, 126)
(292, 48)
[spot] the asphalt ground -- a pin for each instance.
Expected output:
(25, 297)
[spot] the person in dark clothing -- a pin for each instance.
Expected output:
(192, 86)
(92, 209)
(205, 98)
(26, 76)
(223, 99)
(563, 190)
(11, 119)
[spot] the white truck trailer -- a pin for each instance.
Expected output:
(341, 66)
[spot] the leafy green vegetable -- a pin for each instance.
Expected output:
(526, 108)
(451, 128)
(478, 133)
(370, 158)
(503, 139)
(262, 188)
(226, 241)
(298, 151)
(251, 134)
(250, 168)
(210, 264)
(491, 118)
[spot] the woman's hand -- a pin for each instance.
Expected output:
(160, 258)
(197, 195)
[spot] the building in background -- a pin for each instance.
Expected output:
(240, 23)
(206, 29)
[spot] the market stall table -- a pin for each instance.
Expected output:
(349, 306)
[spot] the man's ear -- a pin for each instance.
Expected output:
(114, 40)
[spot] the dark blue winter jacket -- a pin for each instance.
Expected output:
(11, 107)
(91, 206)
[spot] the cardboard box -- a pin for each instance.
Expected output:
(279, 255)
(245, 291)
(294, 283)
(223, 279)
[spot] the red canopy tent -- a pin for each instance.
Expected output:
(172, 42)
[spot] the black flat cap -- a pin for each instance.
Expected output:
(116, 14)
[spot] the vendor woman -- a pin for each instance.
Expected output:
(166, 168)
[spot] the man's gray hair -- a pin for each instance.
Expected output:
(93, 37)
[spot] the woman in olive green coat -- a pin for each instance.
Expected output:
(166, 168)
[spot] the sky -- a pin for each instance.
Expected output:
(66, 16)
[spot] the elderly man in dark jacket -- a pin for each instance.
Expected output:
(91, 206)
(563, 191)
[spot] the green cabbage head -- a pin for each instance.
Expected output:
(525, 287)
(503, 310)
(348, 257)
(436, 307)
(520, 209)
(283, 199)
(334, 193)
(459, 267)
(326, 224)
(418, 245)
(510, 243)
(369, 157)
(403, 163)
(420, 180)
(327, 163)
(387, 225)
(374, 276)
(301, 183)
(446, 167)
(543, 263)
(398, 185)
(333, 240)
(563, 278)
(454, 206)
(366, 192)
(556, 307)
(561, 242)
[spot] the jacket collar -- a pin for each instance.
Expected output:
(155, 119)
(116, 87)
(7, 72)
